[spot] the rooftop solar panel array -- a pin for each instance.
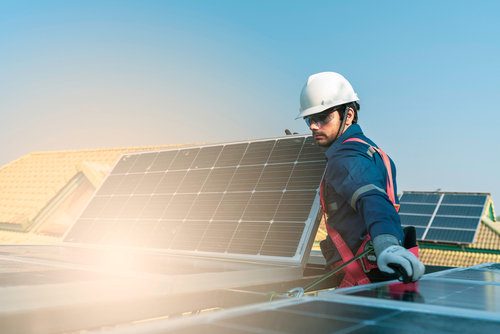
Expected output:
(253, 197)
(443, 217)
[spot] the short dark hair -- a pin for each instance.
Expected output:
(354, 105)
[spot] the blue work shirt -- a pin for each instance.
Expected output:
(356, 198)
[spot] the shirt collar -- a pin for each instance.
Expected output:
(351, 131)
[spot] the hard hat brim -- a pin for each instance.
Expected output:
(321, 108)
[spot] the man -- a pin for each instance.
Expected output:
(358, 190)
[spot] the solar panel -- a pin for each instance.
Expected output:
(452, 301)
(444, 217)
(254, 198)
(474, 288)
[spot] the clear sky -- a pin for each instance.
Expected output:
(98, 74)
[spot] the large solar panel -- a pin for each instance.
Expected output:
(445, 302)
(256, 198)
(444, 217)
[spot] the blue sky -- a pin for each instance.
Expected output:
(98, 74)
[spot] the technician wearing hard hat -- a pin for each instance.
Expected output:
(359, 188)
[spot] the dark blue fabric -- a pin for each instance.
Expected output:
(351, 167)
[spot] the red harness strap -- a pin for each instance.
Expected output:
(387, 163)
(354, 273)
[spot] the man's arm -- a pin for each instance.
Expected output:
(361, 183)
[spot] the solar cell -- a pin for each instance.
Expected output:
(163, 161)
(124, 163)
(420, 231)
(455, 222)
(452, 235)
(414, 220)
(252, 198)
(456, 210)
(143, 162)
(464, 199)
(422, 209)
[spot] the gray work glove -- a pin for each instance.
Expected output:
(394, 259)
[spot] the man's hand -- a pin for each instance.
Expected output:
(393, 259)
(400, 261)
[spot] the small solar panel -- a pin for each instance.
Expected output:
(253, 198)
(443, 217)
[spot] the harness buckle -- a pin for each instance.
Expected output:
(370, 259)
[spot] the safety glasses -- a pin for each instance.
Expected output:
(320, 119)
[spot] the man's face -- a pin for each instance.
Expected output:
(325, 134)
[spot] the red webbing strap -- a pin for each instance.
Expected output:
(349, 280)
(354, 272)
(387, 164)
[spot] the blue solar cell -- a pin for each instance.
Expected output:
(424, 209)
(420, 232)
(460, 210)
(450, 235)
(455, 222)
(411, 220)
(420, 198)
(464, 199)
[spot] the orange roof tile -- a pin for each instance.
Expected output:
(29, 183)
(439, 257)
(486, 238)
(11, 237)
(486, 248)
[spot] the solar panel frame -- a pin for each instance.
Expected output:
(293, 157)
(455, 218)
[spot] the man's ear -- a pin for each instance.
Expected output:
(350, 117)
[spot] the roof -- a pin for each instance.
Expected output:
(486, 248)
(30, 183)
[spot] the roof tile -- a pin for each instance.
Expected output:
(29, 183)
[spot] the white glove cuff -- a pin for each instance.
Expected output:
(384, 241)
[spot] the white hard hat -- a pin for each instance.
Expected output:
(323, 91)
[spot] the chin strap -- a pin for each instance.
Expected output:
(342, 125)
